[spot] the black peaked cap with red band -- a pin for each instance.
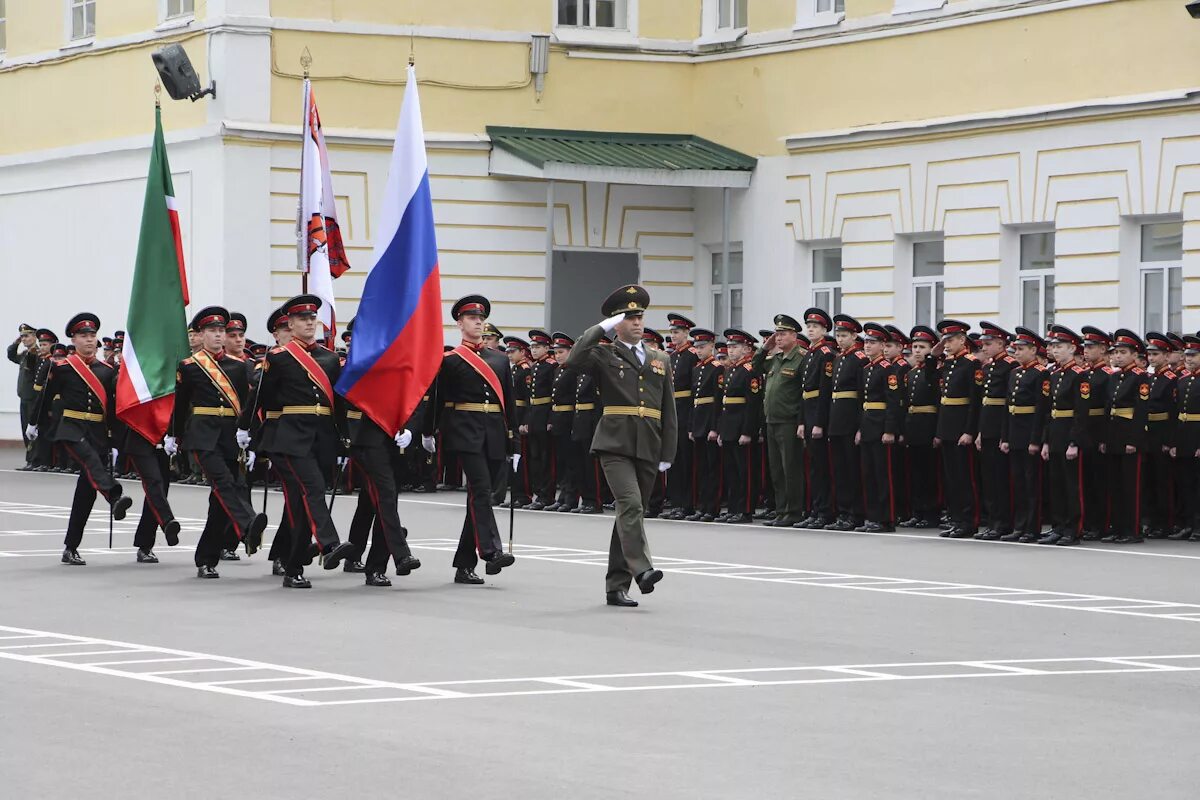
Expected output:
(703, 335)
(560, 339)
(1029, 337)
(1123, 337)
(475, 304)
(651, 335)
(1158, 342)
(845, 322)
(302, 304)
(875, 332)
(537, 336)
(951, 327)
(739, 336)
(923, 333)
(210, 316)
(819, 316)
(679, 321)
(85, 322)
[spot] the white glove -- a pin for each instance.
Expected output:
(429, 443)
(243, 438)
(403, 439)
(342, 461)
(170, 446)
(611, 322)
(516, 459)
(663, 466)
(249, 460)
(115, 457)
(31, 432)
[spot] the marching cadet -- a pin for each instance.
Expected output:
(781, 361)
(680, 479)
(583, 429)
(653, 340)
(896, 350)
(520, 493)
(1065, 435)
(83, 388)
(537, 420)
(1021, 435)
(264, 423)
(1126, 439)
(1186, 447)
(235, 349)
(210, 392)
(562, 414)
(878, 427)
(921, 395)
(636, 435)
(816, 371)
(42, 449)
(306, 439)
(845, 412)
(738, 426)
(1096, 345)
(706, 454)
(152, 461)
(994, 466)
(1159, 482)
(476, 415)
(961, 379)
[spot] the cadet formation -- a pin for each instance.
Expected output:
(823, 422)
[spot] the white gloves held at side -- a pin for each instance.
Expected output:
(429, 443)
(31, 432)
(243, 438)
(170, 445)
(403, 439)
(663, 466)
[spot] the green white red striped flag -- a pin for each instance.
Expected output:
(156, 329)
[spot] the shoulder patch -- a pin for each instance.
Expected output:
(188, 360)
(748, 367)
(1046, 388)
(1108, 370)
(755, 385)
(828, 368)
(276, 349)
(1085, 390)
(979, 377)
(861, 355)
(1076, 369)
(1144, 391)
(893, 381)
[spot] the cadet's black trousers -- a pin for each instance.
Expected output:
(962, 493)
(847, 477)
(1125, 484)
(1095, 490)
(480, 537)
(679, 476)
(1025, 475)
(1187, 486)
(153, 466)
(281, 543)
(374, 472)
(878, 482)
(541, 466)
(519, 490)
(304, 489)
(997, 488)
(228, 505)
(922, 472)
(820, 476)
(706, 461)
(566, 468)
(1160, 491)
(93, 477)
(1066, 494)
(738, 477)
(591, 487)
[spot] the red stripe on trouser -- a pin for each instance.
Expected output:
(83, 468)
(1082, 497)
(887, 449)
(974, 486)
(287, 507)
(471, 514)
(146, 491)
(1038, 462)
(213, 485)
(312, 523)
(749, 483)
(373, 492)
(1137, 499)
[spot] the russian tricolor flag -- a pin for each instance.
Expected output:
(397, 347)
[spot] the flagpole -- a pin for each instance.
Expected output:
(301, 233)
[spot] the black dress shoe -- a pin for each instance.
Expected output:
(647, 579)
(406, 565)
(340, 551)
(721, 517)
(499, 562)
(1015, 536)
(467, 576)
(207, 572)
(594, 509)
(695, 517)
(922, 523)
(840, 525)
(146, 556)
(611, 506)
(120, 506)
(553, 506)
(230, 555)
(945, 532)
(377, 579)
(620, 598)
(254, 534)
(960, 533)
(171, 533)
(1030, 538)
(1050, 538)
(1181, 535)
(781, 522)
(566, 509)
(1128, 540)
(765, 515)
(708, 518)
(1066, 540)
(71, 558)
(1091, 536)
(990, 536)
(738, 519)
(296, 582)
(535, 506)
(277, 567)
(350, 565)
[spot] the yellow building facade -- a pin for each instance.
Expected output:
(1016, 160)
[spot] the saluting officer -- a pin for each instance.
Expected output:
(1126, 440)
(845, 413)
(1066, 435)
(961, 380)
(1021, 436)
(817, 388)
(879, 426)
(681, 477)
(993, 412)
(741, 415)
(921, 396)
(1186, 447)
(298, 380)
(1160, 423)
(562, 413)
(706, 453)
(537, 420)
(520, 493)
(1096, 344)
(83, 388)
(781, 361)
(476, 415)
(635, 439)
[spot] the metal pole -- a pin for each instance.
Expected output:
(726, 290)
(550, 247)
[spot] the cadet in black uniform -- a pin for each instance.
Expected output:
(817, 376)
(1158, 481)
(1096, 345)
(476, 416)
(844, 415)
(680, 478)
(961, 380)
(27, 363)
(738, 426)
(1021, 436)
(264, 423)
(1065, 436)
(706, 453)
(896, 350)
(921, 396)
(42, 449)
(879, 425)
(1185, 449)
(298, 380)
(1125, 442)
(562, 414)
(993, 412)
(537, 420)
(83, 388)
(520, 491)
(588, 410)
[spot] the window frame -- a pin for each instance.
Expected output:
(165, 17)
(717, 290)
(832, 289)
(935, 283)
(1045, 313)
(85, 37)
(593, 36)
(807, 15)
(3, 28)
(711, 31)
(1167, 269)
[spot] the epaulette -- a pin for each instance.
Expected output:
(1107, 369)
(1077, 369)
(748, 367)
(970, 357)
(57, 360)
(885, 363)
(276, 349)
(861, 355)
(188, 360)
(1170, 373)
(1009, 359)
(1038, 366)
(1136, 370)
(824, 348)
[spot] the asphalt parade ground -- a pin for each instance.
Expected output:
(767, 664)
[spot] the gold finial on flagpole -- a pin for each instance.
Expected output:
(306, 61)
(157, 92)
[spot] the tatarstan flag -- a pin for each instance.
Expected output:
(156, 330)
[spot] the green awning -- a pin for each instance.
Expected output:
(616, 157)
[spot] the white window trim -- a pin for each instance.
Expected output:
(598, 37)
(814, 285)
(710, 31)
(166, 23)
(718, 289)
(1040, 275)
(807, 16)
(82, 41)
(916, 6)
(4, 41)
(1145, 267)
(909, 243)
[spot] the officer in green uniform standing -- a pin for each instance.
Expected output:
(782, 397)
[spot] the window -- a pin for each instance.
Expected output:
(929, 282)
(3, 27)
(827, 279)
(1162, 276)
(1037, 281)
(829, 6)
(731, 13)
(593, 13)
(733, 319)
(180, 8)
(82, 18)
(818, 13)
